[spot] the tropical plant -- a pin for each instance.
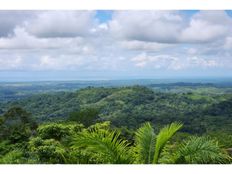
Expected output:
(163, 137)
(200, 150)
(13, 157)
(149, 146)
(106, 145)
(145, 144)
(58, 131)
(110, 148)
(86, 116)
(47, 151)
(16, 125)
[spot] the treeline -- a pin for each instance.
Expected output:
(23, 141)
(132, 106)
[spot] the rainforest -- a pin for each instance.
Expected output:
(116, 122)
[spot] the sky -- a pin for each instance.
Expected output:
(73, 45)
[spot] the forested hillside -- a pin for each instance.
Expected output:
(64, 127)
(131, 106)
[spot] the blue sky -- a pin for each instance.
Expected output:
(69, 45)
(104, 15)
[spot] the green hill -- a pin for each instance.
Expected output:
(131, 106)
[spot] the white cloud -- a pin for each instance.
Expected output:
(200, 62)
(228, 43)
(10, 62)
(61, 23)
(169, 62)
(131, 41)
(140, 45)
(192, 51)
(157, 26)
(23, 40)
(207, 26)
(157, 61)
(9, 20)
(61, 62)
(170, 26)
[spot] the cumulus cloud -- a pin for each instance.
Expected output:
(20, 39)
(157, 26)
(170, 26)
(61, 24)
(207, 26)
(9, 20)
(170, 62)
(129, 41)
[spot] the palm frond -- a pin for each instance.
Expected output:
(168, 155)
(145, 143)
(200, 150)
(107, 144)
(162, 138)
(13, 157)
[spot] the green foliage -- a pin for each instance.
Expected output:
(70, 143)
(145, 144)
(100, 126)
(47, 151)
(163, 137)
(70, 131)
(224, 138)
(4, 147)
(86, 116)
(200, 150)
(58, 131)
(50, 144)
(17, 115)
(202, 108)
(13, 157)
(106, 144)
(1, 121)
(149, 146)
(17, 125)
(126, 133)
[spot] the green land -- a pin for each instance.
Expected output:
(116, 122)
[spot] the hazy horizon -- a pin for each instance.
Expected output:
(170, 79)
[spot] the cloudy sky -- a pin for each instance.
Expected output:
(65, 45)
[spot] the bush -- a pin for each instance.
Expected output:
(58, 131)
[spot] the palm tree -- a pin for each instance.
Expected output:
(200, 150)
(107, 146)
(113, 149)
(145, 144)
(149, 146)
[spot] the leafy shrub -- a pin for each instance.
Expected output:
(13, 157)
(47, 151)
(58, 131)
